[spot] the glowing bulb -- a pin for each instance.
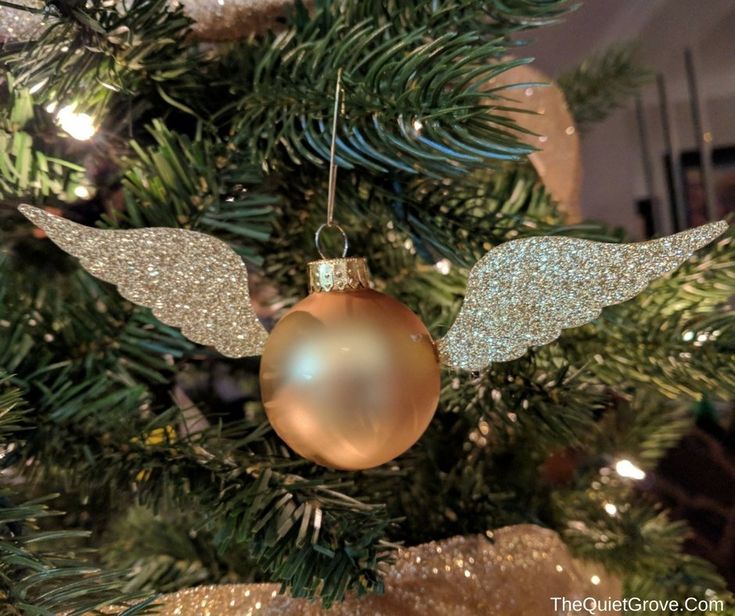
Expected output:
(418, 125)
(611, 509)
(443, 266)
(82, 192)
(80, 126)
(625, 468)
(595, 579)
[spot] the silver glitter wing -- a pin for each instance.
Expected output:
(523, 293)
(190, 280)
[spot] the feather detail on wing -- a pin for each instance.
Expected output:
(523, 293)
(190, 280)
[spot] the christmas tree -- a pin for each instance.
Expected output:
(157, 450)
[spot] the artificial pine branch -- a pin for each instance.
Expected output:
(202, 184)
(92, 54)
(27, 169)
(492, 17)
(412, 102)
(602, 83)
(685, 350)
(35, 578)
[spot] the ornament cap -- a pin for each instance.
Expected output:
(345, 274)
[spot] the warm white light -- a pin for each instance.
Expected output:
(595, 579)
(80, 126)
(418, 125)
(611, 508)
(443, 266)
(82, 192)
(625, 468)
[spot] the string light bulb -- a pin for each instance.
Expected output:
(82, 192)
(443, 266)
(625, 468)
(79, 126)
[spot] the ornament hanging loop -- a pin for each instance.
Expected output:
(318, 239)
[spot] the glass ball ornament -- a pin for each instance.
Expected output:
(349, 376)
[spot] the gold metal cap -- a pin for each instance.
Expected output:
(346, 274)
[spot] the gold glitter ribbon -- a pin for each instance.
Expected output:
(517, 573)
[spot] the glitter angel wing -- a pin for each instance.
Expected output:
(190, 280)
(524, 292)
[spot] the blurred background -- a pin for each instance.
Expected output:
(684, 111)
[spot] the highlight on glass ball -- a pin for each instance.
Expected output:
(349, 378)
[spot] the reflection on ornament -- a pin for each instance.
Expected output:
(558, 161)
(518, 573)
(349, 376)
(215, 20)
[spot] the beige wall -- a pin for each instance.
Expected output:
(613, 171)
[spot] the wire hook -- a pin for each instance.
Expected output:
(333, 152)
(330, 224)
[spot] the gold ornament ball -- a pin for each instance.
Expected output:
(349, 378)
